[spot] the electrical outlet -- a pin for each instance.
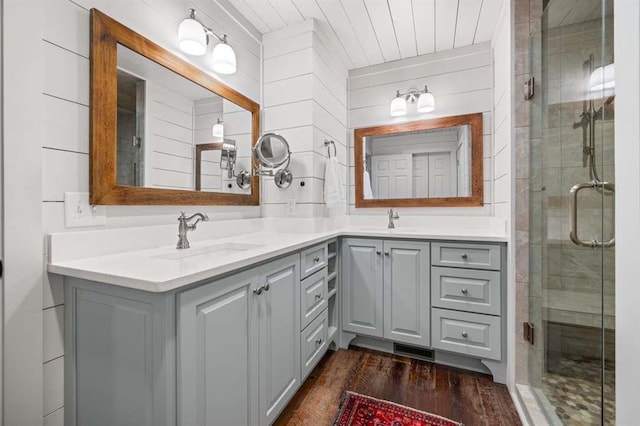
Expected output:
(79, 213)
(291, 207)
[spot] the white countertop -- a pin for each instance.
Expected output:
(153, 269)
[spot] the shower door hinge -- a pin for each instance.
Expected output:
(529, 89)
(527, 332)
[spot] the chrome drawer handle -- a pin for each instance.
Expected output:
(266, 287)
(258, 290)
(378, 252)
(318, 296)
(465, 291)
(319, 342)
(386, 253)
(316, 259)
(464, 256)
(464, 334)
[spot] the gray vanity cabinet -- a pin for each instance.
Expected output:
(362, 293)
(218, 352)
(239, 346)
(406, 292)
(279, 336)
(386, 289)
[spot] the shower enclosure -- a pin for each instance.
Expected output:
(571, 200)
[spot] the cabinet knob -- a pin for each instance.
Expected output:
(378, 252)
(464, 256)
(258, 291)
(316, 259)
(386, 253)
(318, 296)
(464, 334)
(465, 291)
(266, 287)
(319, 342)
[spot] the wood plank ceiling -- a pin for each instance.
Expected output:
(377, 31)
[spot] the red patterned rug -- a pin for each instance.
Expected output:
(360, 410)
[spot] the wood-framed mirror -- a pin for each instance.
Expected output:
(149, 111)
(427, 163)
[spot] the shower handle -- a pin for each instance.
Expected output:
(573, 214)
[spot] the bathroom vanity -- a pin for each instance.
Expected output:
(227, 331)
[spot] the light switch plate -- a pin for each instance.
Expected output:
(78, 213)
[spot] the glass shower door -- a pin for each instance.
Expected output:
(571, 283)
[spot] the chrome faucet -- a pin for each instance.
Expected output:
(392, 216)
(184, 226)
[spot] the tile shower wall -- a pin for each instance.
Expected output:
(305, 100)
(65, 133)
(462, 83)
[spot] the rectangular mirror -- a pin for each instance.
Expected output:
(151, 111)
(424, 163)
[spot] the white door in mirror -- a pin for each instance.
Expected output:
(79, 213)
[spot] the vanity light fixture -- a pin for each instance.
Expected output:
(193, 38)
(424, 98)
(218, 130)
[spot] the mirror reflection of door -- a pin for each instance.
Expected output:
(131, 104)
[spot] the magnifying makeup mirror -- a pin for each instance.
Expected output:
(273, 154)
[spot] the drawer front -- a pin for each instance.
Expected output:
(465, 333)
(313, 297)
(314, 343)
(313, 259)
(475, 256)
(466, 290)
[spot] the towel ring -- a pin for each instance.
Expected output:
(328, 142)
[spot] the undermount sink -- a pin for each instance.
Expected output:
(218, 250)
(385, 229)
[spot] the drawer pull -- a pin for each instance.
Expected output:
(316, 259)
(465, 291)
(378, 252)
(266, 287)
(319, 342)
(318, 296)
(464, 256)
(464, 334)
(386, 253)
(258, 291)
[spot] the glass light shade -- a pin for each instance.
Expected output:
(603, 78)
(224, 59)
(218, 130)
(426, 102)
(398, 106)
(191, 37)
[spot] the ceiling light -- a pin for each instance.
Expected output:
(424, 99)
(398, 106)
(224, 58)
(193, 38)
(218, 130)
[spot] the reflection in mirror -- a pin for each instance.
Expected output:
(427, 163)
(162, 119)
(431, 163)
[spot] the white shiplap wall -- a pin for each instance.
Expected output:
(305, 100)
(64, 143)
(462, 83)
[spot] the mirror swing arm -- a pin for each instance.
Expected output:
(106, 35)
(476, 195)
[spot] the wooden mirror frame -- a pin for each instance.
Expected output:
(106, 34)
(477, 185)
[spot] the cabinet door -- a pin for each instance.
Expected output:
(279, 318)
(406, 292)
(362, 286)
(217, 353)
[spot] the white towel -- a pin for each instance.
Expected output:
(368, 192)
(334, 192)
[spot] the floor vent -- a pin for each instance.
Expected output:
(413, 352)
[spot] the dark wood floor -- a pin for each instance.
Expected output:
(473, 399)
